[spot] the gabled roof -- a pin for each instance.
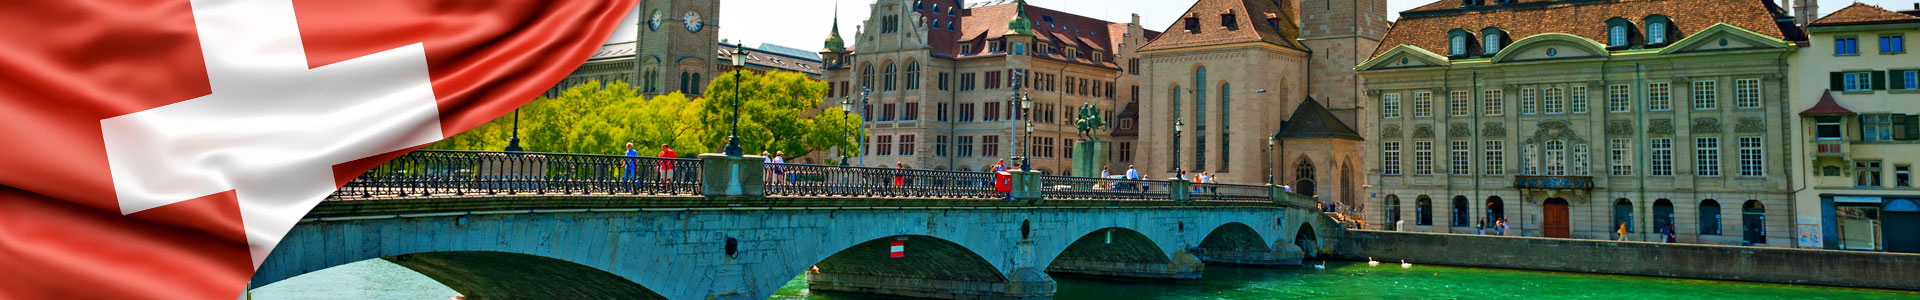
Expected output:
(1426, 27)
(1827, 106)
(1250, 17)
(1313, 121)
(1862, 13)
(983, 22)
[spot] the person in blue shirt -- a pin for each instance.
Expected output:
(1132, 174)
(631, 174)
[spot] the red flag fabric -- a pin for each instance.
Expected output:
(159, 149)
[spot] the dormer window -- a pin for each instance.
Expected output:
(966, 48)
(994, 46)
(1193, 24)
(1619, 33)
(1457, 42)
(1659, 30)
(1492, 39)
(1229, 20)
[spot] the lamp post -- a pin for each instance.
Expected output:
(846, 107)
(1014, 130)
(1026, 108)
(739, 62)
(1176, 149)
(513, 142)
(1270, 167)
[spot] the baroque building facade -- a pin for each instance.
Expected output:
(1582, 119)
(1254, 91)
(1857, 135)
(935, 82)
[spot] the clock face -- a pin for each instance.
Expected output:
(654, 24)
(693, 21)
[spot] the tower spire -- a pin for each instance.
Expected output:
(1020, 24)
(834, 43)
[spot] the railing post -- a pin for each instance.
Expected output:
(1180, 189)
(1026, 185)
(729, 177)
(1276, 194)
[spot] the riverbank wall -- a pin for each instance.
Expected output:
(1776, 265)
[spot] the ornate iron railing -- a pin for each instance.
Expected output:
(802, 180)
(1553, 182)
(1081, 188)
(1231, 192)
(428, 173)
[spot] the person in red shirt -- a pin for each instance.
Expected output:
(666, 167)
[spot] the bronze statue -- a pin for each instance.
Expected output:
(1089, 122)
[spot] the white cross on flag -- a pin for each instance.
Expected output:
(161, 149)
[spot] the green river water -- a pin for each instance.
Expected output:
(377, 279)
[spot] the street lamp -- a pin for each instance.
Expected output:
(1014, 130)
(863, 126)
(513, 142)
(1270, 167)
(1176, 149)
(739, 62)
(846, 107)
(1026, 108)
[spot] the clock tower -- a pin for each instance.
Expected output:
(676, 46)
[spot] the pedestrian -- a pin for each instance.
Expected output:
(666, 167)
(1132, 174)
(1622, 231)
(1481, 226)
(631, 162)
(1000, 166)
(780, 166)
(1504, 226)
(1667, 232)
(766, 169)
(899, 177)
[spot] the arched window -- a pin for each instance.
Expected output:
(685, 79)
(1556, 100)
(1753, 223)
(1622, 216)
(887, 78)
(1393, 212)
(1619, 32)
(697, 84)
(1423, 211)
(1173, 93)
(1303, 177)
(1492, 39)
(1019, 49)
(1200, 119)
(1662, 215)
(1458, 41)
(913, 74)
(1460, 212)
(1659, 29)
(1496, 210)
(866, 77)
(1226, 122)
(1709, 217)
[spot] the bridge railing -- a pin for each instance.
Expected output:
(1231, 192)
(1081, 188)
(803, 180)
(428, 173)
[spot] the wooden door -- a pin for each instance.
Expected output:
(1555, 221)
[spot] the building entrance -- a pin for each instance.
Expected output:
(1555, 222)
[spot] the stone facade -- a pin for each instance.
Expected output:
(1565, 134)
(949, 99)
(1854, 146)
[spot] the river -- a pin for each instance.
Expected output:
(378, 279)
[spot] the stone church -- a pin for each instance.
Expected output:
(1259, 90)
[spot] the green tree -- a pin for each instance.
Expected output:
(777, 114)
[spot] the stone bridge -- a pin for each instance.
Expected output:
(611, 246)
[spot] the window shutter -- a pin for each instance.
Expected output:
(1838, 83)
(1879, 80)
(1912, 124)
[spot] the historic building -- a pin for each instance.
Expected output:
(1575, 118)
(1259, 90)
(936, 81)
(677, 48)
(1858, 131)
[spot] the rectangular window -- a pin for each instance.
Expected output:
(1876, 127)
(966, 82)
(1706, 154)
(1909, 79)
(1866, 174)
(1846, 46)
(1662, 156)
(990, 146)
(943, 81)
(1528, 103)
(1136, 93)
(1457, 103)
(1556, 158)
(1659, 96)
(1580, 99)
(1390, 158)
(884, 145)
(1390, 106)
(964, 147)
(887, 112)
(1619, 157)
(913, 112)
(993, 80)
(1493, 104)
(1902, 176)
(1422, 104)
(940, 112)
(1461, 158)
(1858, 81)
(1496, 161)
(1706, 95)
(1069, 85)
(1422, 158)
(1126, 151)
(1828, 128)
(1556, 101)
(1619, 98)
(1752, 157)
(966, 112)
(1580, 160)
(1893, 44)
(906, 145)
(940, 146)
(1529, 160)
(1746, 93)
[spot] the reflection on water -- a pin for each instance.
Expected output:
(378, 279)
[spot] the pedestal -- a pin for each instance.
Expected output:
(728, 177)
(1088, 157)
(1026, 185)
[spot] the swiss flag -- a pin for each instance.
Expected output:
(154, 149)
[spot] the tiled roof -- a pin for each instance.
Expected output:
(1860, 13)
(1313, 121)
(1587, 18)
(1827, 106)
(988, 21)
(773, 57)
(1456, 4)
(1250, 19)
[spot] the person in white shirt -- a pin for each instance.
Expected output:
(780, 170)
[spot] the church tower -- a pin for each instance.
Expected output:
(1341, 34)
(676, 45)
(1805, 11)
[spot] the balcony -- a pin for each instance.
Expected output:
(1830, 148)
(1584, 183)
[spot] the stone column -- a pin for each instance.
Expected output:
(727, 177)
(1026, 185)
(1179, 189)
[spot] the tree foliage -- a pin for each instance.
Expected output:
(778, 114)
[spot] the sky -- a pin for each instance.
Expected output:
(804, 24)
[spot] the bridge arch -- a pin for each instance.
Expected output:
(1235, 243)
(1308, 240)
(508, 275)
(945, 267)
(1123, 252)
